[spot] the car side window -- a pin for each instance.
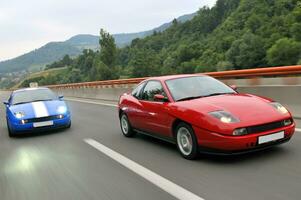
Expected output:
(151, 89)
(137, 91)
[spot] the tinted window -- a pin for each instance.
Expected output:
(196, 86)
(137, 91)
(27, 96)
(151, 89)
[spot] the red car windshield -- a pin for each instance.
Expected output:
(196, 87)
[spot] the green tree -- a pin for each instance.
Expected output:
(144, 63)
(100, 71)
(108, 48)
(296, 31)
(224, 66)
(247, 52)
(254, 22)
(66, 61)
(284, 52)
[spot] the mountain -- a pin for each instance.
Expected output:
(125, 39)
(234, 34)
(36, 59)
(53, 51)
(84, 41)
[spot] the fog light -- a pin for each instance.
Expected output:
(287, 122)
(240, 131)
(23, 121)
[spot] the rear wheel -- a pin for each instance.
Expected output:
(125, 126)
(186, 141)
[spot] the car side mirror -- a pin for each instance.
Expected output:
(160, 98)
(61, 97)
(5, 103)
(234, 87)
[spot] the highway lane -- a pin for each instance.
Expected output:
(63, 166)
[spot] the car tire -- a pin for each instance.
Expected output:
(11, 133)
(69, 125)
(125, 126)
(186, 141)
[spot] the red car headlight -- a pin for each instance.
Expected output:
(280, 108)
(224, 116)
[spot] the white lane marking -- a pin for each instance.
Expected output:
(40, 109)
(92, 102)
(298, 129)
(166, 185)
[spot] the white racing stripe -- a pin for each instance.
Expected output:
(40, 109)
(92, 102)
(161, 182)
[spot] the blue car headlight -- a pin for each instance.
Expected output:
(224, 116)
(62, 109)
(19, 115)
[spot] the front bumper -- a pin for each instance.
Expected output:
(224, 144)
(17, 127)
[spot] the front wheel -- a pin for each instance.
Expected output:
(69, 125)
(186, 141)
(11, 133)
(125, 126)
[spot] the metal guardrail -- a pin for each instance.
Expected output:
(246, 73)
(259, 72)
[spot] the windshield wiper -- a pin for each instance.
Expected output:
(209, 95)
(21, 103)
(42, 100)
(32, 101)
(218, 93)
(189, 98)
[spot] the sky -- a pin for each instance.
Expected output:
(28, 25)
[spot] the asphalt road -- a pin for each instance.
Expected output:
(61, 165)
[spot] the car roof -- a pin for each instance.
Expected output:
(169, 77)
(30, 89)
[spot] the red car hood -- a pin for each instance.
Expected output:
(249, 109)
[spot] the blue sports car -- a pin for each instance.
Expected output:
(36, 109)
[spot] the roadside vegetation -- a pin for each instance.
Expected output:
(234, 34)
(44, 77)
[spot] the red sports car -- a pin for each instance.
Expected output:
(201, 113)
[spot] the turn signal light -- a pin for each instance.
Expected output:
(60, 116)
(23, 121)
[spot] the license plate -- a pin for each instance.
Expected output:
(42, 124)
(270, 138)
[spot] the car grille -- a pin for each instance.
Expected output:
(42, 119)
(265, 127)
